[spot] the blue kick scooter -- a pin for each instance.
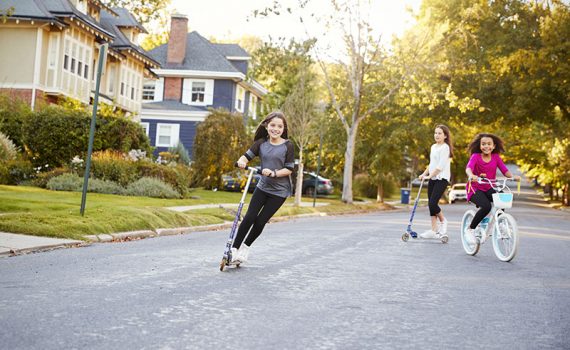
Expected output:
(227, 259)
(409, 232)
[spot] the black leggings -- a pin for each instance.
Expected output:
(483, 200)
(261, 208)
(435, 191)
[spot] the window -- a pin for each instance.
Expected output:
(198, 91)
(86, 71)
(240, 97)
(167, 135)
(148, 92)
(122, 89)
(146, 128)
(66, 62)
(253, 106)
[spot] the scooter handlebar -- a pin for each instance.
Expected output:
(257, 171)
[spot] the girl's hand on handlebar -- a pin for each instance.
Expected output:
(267, 172)
(241, 164)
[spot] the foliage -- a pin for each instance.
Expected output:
(8, 150)
(181, 154)
(151, 187)
(113, 165)
(16, 171)
(74, 183)
(145, 11)
(42, 179)
(220, 140)
(180, 177)
(13, 113)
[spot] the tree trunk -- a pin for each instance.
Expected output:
(380, 193)
(348, 164)
(566, 195)
(299, 182)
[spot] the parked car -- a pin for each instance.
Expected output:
(233, 183)
(324, 187)
(457, 192)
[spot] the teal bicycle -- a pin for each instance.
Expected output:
(500, 226)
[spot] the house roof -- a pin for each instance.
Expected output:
(121, 42)
(123, 18)
(173, 105)
(231, 50)
(51, 10)
(201, 55)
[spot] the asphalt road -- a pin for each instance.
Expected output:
(344, 282)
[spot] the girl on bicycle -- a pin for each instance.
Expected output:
(484, 162)
(438, 173)
(271, 144)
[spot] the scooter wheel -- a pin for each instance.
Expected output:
(444, 239)
(223, 264)
(405, 237)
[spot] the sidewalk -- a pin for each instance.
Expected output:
(15, 244)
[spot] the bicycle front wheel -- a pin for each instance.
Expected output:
(506, 239)
(470, 249)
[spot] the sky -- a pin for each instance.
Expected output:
(231, 19)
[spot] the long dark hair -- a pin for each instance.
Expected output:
(447, 140)
(475, 145)
(261, 132)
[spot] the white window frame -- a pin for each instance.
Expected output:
(203, 92)
(208, 92)
(252, 106)
(148, 92)
(146, 128)
(174, 134)
(240, 99)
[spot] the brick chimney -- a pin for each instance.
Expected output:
(177, 42)
(175, 55)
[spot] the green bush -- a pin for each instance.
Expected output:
(113, 166)
(55, 135)
(364, 186)
(8, 149)
(13, 113)
(42, 179)
(65, 182)
(151, 187)
(178, 176)
(74, 183)
(14, 172)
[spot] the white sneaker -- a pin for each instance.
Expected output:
(470, 236)
(443, 227)
(234, 254)
(243, 253)
(429, 234)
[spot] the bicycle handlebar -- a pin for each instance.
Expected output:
(498, 184)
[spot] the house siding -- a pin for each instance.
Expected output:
(224, 92)
(187, 133)
(18, 56)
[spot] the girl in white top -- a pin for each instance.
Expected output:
(439, 174)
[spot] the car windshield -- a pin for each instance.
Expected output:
(458, 187)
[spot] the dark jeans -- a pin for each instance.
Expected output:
(435, 191)
(483, 200)
(262, 207)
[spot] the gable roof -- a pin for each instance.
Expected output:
(121, 42)
(231, 50)
(201, 55)
(51, 10)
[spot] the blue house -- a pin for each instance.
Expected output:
(195, 75)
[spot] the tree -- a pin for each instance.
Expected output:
(5, 13)
(220, 140)
(145, 11)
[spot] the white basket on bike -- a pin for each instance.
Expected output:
(503, 200)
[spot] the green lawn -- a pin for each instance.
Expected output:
(40, 212)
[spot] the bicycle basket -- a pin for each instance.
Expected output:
(503, 200)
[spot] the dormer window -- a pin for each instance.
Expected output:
(82, 6)
(198, 91)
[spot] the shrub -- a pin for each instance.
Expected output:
(181, 154)
(13, 112)
(8, 149)
(363, 186)
(178, 176)
(113, 166)
(66, 182)
(151, 187)
(74, 183)
(122, 134)
(42, 179)
(14, 172)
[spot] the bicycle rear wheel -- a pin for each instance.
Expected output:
(506, 239)
(470, 249)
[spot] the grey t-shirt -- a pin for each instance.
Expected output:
(274, 157)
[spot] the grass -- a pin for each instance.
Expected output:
(35, 211)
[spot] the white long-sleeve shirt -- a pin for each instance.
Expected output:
(439, 159)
